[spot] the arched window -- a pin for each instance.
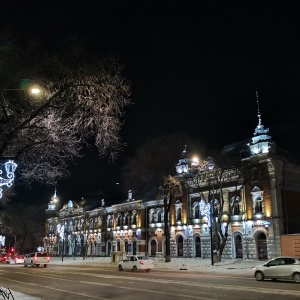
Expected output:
(196, 211)
(134, 218)
(158, 215)
(151, 216)
(236, 206)
(178, 214)
(258, 205)
(111, 222)
(257, 198)
(216, 208)
(178, 211)
(119, 220)
(126, 219)
(163, 215)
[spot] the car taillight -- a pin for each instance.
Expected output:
(141, 262)
(48, 257)
(35, 258)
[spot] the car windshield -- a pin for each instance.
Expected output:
(42, 254)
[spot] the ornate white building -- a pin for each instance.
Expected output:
(258, 206)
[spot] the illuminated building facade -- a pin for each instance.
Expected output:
(266, 208)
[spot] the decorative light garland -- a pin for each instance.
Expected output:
(9, 171)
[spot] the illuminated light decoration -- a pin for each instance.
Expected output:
(205, 211)
(9, 171)
(183, 164)
(195, 162)
(259, 215)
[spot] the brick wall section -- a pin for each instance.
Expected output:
(290, 245)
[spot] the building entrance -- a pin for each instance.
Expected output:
(198, 246)
(262, 251)
(238, 247)
(180, 246)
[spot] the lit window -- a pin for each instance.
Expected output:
(236, 205)
(196, 211)
(258, 205)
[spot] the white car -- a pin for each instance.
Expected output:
(19, 259)
(136, 262)
(36, 259)
(283, 267)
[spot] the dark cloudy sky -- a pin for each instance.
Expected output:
(194, 68)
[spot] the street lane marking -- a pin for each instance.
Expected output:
(184, 296)
(177, 282)
(56, 289)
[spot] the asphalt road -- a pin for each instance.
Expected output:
(84, 282)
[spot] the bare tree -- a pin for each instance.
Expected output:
(26, 224)
(209, 181)
(77, 107)
(171, 188)
(152, 162)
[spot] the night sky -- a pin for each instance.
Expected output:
(194, 68)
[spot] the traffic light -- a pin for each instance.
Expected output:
(12, 249)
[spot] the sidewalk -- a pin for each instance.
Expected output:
(233, 266)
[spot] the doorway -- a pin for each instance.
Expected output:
(197, 246)
(238, 247)
(153, 248)
(262, 250)
(180, 246)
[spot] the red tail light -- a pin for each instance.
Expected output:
(141, 262)
(35, 258)
(48, 257)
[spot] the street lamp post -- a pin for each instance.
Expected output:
(8, 168)
(211, 233)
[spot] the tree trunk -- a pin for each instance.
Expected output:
(167, 230)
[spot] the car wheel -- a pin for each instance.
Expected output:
(296, 277)
(134, 268)
(45, 266)
(37, 265)
(120, 268)
(259, 276)
(147, 270)
(25, 265)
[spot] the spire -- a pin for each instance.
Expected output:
(55, 199)
(53, 202)
(258, 111)
(260, 130)
(182, 165)
(261, 141)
